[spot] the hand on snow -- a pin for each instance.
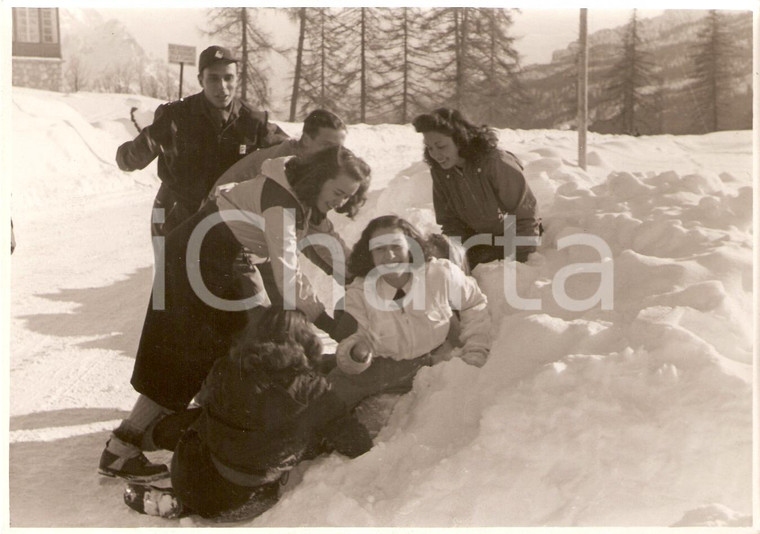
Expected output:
(478, 359)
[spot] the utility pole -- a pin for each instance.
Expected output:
(583, 88)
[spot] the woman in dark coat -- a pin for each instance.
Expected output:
(475, 184)
(263, 409)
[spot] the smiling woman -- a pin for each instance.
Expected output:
(476, 186)
(205, 301)
(208, 305)
(403, 312)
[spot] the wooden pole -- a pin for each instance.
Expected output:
(181, 73)
(583, 89)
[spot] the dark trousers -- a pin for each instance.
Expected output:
(175, 212)
(384, 375)
(200, 487)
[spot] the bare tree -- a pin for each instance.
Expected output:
(122, 77)
(77, 77)
(237, 26)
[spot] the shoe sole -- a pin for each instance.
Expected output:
(135, 478)
(137, 501)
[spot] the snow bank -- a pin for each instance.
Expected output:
(632, 409)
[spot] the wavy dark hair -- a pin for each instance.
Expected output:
(307, 175)
(472, 141)
(360, 260)
(321, 118)
(280, 341)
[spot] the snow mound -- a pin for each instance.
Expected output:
(58, 154)
(619, 387)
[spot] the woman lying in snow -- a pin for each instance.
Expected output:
(399, 312)
(263, 410)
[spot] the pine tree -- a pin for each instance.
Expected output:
(357, 32)
(712, 72)
(403, 62)
(327, 70)
(446, 33)
(631, 85)
(237, 26)
(493, 65)
(476, 63)
(374, 46)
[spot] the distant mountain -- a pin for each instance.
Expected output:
(669, 40)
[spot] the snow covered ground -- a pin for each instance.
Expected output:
(637, 415)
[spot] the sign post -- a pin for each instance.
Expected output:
(181, 54)
(583, 88)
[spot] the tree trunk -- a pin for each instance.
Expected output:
(244, 48)
(299, 59)
(363, 80)
(458, 56)
(405, 89)
(323, 62)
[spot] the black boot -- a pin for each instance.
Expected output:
(123, 458)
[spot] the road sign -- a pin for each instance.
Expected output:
(181, 54)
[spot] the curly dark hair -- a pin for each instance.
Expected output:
(308, 174)
(472, 141)
(360, 260)
(279, 341)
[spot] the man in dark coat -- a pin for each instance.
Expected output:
(197, 138)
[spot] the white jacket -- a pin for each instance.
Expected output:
(440, 287)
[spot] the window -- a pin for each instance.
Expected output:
(49, 26)
(35, 25)
(27, 25)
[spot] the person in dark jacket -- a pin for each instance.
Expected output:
(475, 184)
(263, 410)
(197, 138)
(321, 129)
(205, 308)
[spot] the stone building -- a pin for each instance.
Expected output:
(36, 48)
